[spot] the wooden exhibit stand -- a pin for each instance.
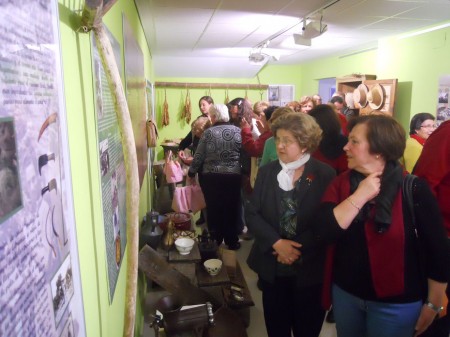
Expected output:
(348, 84)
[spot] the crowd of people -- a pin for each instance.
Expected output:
(322, 193)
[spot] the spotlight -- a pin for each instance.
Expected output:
(314, 29)
(301, 40)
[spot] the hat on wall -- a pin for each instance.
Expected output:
(360, 95)
(349, 100)
(375, 96)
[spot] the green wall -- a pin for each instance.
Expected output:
(103, 319)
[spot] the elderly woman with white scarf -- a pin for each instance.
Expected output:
(286, 196)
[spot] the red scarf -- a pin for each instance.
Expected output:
(419, 139)
(386, 251)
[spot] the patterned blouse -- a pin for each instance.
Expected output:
(288, 225)
(218, 151)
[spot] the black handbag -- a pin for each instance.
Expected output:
(407, 193)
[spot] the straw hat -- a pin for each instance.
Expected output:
(360, 95)
(349, 100)
(375, 96)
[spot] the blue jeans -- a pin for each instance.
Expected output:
(356, 317)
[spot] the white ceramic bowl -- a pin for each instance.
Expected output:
(184, 245)
(213, 266)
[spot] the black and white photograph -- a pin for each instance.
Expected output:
(62, 289)
(443, 95)
(10, 192)
(68, 328)
(104, 157)
(443, 109)
(274, 94)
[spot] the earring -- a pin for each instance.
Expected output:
(377, 156)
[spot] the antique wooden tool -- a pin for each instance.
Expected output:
(155, 267)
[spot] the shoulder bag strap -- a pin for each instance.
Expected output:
(407, 190)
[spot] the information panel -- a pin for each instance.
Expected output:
(40, 290)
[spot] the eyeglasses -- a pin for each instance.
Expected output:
(429, 126)
(284, 141)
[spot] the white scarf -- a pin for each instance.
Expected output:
(286, 175)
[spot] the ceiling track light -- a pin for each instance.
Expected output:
(303, 20)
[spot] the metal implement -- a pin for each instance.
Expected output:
(51, 186)
(43, 160)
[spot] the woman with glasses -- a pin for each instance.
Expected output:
(421, 127)
(285, 197)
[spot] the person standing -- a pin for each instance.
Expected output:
(421, 127)
(434, 166)
(191, 140)
(286, 195)
(331, 148)
(379, 287)
(218, 158)
(306, 104)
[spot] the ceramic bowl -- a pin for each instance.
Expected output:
(184, 245)
(213, 266)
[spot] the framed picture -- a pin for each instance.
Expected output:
(274, 93)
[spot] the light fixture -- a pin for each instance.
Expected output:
(314, 29)
(299, 39)
(259, 56)
(311, 29)
(256, 58)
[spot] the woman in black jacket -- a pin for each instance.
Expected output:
(286, 195)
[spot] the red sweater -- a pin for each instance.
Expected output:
(254, 147)
(339, 163)
(434, 166)
(343, 121)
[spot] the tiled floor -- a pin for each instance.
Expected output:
(257, 326)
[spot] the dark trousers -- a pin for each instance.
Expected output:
(223, 200)
(289, 308)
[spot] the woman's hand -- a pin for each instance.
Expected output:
(436, 294)
(191, 180)
(262, 124)
(425, 319)
(368, 189)
(349, 208)
(287, 251)
(244, 124)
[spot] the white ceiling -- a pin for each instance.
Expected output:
(214, 38)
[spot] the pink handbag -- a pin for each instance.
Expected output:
(188, 199)
(172, 169)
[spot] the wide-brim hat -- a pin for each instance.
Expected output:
(360, 95)
(375, 96)
(349, 100)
